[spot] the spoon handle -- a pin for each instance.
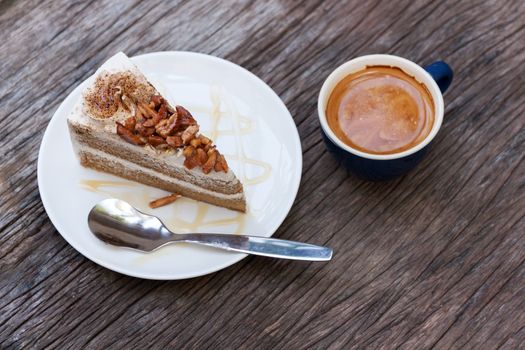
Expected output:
(271, 247)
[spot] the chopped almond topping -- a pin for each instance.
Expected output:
(201, 156)
(191, 162)
(160, 128)
(130, 123)
(155, 140)
(174, 141)
(138, 114)
(189, 133)
(144, 131)
(153, 121)
(184, 118)
(146, 110)
(163, 112)
(221, 164)
(188, 151)
(171, 125)
(195, 142)
(163, 127)
(204, 140)
(210, 163)
(157, 100)
(128, 135)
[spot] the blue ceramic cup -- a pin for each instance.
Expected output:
(376, 167)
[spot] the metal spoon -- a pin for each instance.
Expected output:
(118, 223)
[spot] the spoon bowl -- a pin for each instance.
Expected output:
(118, 223)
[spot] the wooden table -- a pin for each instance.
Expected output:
(435, 259)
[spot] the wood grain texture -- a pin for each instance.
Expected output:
(435, 259)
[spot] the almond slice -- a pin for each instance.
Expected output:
(130, 123)
(146, 110)
(153, 121)
(174, 141)
(144, 131)
(221, 164)
(184, 118)
(163, 111)
(129, 136)
(157, 100)
(189, 133)
(195, 143)
(155, 140)
(202, 156)
(210, 163)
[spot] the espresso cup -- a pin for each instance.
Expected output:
(377, 167)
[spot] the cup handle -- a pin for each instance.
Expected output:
(441, 73)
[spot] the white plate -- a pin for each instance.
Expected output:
(255, 131)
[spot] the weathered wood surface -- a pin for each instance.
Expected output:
(435, 259)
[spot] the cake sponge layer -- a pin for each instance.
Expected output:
(97, 160)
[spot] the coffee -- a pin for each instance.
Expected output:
(380, 110)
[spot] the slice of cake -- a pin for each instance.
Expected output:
(123, 126)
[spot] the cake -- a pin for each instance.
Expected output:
(123, 126)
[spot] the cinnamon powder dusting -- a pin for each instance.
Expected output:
(111, 91)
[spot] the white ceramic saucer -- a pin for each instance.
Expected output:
(250, 125)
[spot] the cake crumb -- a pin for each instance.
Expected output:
(157, 203)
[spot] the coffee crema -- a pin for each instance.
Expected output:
(380, 110)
